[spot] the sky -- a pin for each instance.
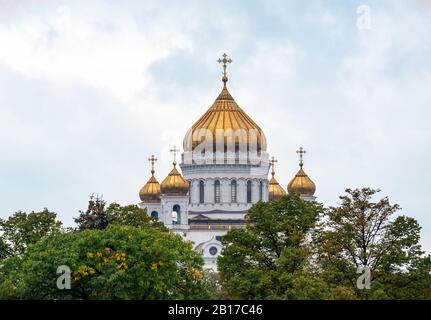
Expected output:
(89, 90)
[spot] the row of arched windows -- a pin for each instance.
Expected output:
(233, 191)
(176, 214)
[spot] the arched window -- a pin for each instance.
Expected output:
(155, 215)
(190, 191)
(176, 214)
(261, 191)
(249, 191)
(217, 191)
(233, 191)
(201, 192)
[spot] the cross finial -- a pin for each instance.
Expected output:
(152, 160)
(174, 151)
(301, 152)
(273, 162)
(225, 61)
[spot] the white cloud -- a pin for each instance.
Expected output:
(76, 43)
(81, 110)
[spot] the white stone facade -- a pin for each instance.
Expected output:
(219, 197)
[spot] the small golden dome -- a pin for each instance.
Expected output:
(226, 115)
(150, 192)
(275, 191)
(301, 184)
(174, 184)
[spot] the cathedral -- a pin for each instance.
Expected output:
(223, 171)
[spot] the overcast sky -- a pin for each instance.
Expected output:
(89, 89)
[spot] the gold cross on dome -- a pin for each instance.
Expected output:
(225, 61)
(152, 160)
(273, 162)
(174, 151)
(301, 153)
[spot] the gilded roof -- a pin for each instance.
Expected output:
(275, 191)
(301, 184)
(225, 114)
(174, 184)
(150, 192)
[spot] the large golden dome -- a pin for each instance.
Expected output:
(225, 114)
(275, 191)
(301, 184)
(174, 184)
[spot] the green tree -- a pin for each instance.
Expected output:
(96, 217)
(99, 215)
(9, 277)
(5, 250)
(22, 229)
(131, 215)
(119, 262)
(269, 259)
(362, 233)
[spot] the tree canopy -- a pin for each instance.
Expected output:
(119, 262)
(5, 250)
(363, 233)
(289, 249)
(96, 217)
(296, 249)
(23, 229)
(99, 215)
(269, 258)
